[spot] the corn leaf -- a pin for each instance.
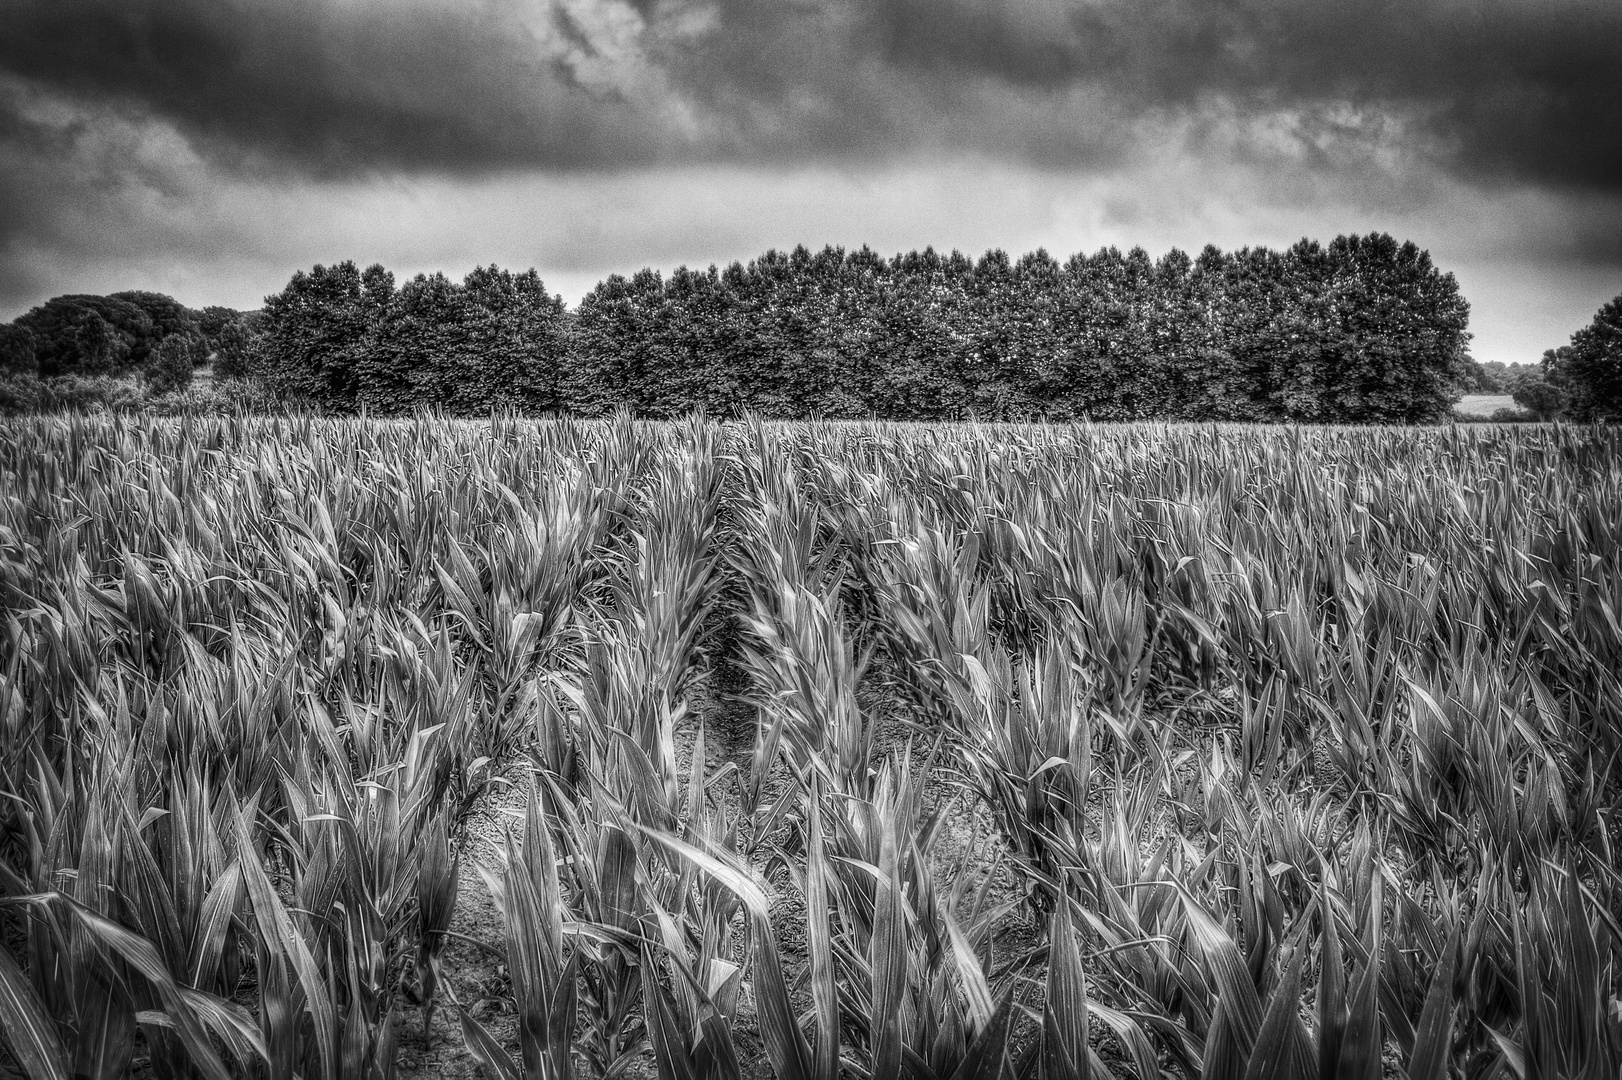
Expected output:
(1433, 1037)
(29, 1033)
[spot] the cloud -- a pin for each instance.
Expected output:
(1513, 89)
(1520, 90)
(209, 147)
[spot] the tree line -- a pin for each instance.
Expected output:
(1360, 330)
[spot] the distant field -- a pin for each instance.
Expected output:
(1483, 404)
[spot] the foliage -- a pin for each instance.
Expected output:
(1362, 331)
(17, 350)
(55, 326)
(1590, 368)
(346, 341)
(316, 333)
(228, 337)
(231, 348)
(219, 397)
(169, 317)
(21, 392)
(1497, 377)
(493, 342)
(99, 348)
(1543, 400)
(1081, 751)
(103, 335)
(28, 393)
(171, 364)
(212, 321)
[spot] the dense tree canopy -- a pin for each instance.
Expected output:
(347, 340)
(1364, 330)
(1589, 370)
(317, 329)
(494, 341)
(58, 344)
(17, 350)
(103, 335)
(1361, 330)
(168, 316)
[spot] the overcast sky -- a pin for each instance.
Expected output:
(208, 148)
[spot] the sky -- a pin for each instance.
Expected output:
(210, 148)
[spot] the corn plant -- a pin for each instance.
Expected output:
(542, 965)
(1255, 716)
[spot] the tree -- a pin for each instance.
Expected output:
(1590, 368)
(1363, 330)
(1481, 380)
(173, 362)
(317, 329)
(630, 350)
(231, 344)
(1543, 400)
(98, 345)
(1398, 348)
(497, 340)
(168, 316)
(55, 328)
(212, 322)
(17, 350)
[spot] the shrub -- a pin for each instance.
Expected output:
(221, 397)
(21, 392)
(26, 392)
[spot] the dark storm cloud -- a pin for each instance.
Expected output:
(1527, 91)
(327, 87)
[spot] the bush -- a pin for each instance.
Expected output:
(28, 393)
(221, 397)
(21, 392)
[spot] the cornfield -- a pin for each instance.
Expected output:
(863, 750)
